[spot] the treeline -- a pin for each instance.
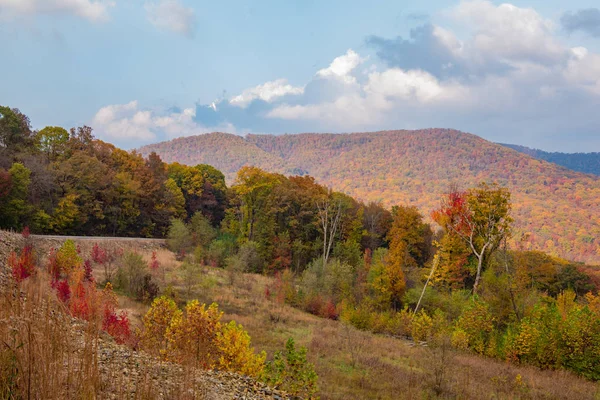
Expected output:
(54, 181)
(551, 205)
(582, 162)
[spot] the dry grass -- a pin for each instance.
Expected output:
(47, 354)
(41, 355)
(357, 365)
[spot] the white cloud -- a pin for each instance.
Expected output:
(415, 84)
(127, 123)
(124, 121)
(171, 15)
(342, 66)
(268, 92)
(508, 32)
(93, 10)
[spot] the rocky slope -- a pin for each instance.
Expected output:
(128, 374)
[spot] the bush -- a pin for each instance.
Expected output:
(202, 231)
(477, 324)
(133, 278)
(217, 253)
(422, 326)
(235, 352)
(289, 370)
(179, 238)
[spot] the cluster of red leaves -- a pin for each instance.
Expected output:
(83, 298)
(116, 325)
(63, 290)
(276, 291)
(88, 274)
(99, 255)
(316, 305)
(80, 302)
(454, 211)
(282, 254)
(154, 262)
(22, 265)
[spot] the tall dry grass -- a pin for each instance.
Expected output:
(41, 355)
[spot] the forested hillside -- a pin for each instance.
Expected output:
(556, 210)
(377, 268)
(582, 162)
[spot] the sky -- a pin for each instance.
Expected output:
(144, 71)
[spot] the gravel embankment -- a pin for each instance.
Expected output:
(125, 373)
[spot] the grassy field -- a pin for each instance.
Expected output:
(357, 365)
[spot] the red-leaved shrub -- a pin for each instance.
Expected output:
(63, 290)
(22, 265)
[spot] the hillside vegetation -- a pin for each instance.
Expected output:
(588, 163)
(462, 288)
(351, 364)
(556, 210)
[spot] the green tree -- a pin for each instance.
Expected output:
(15, 130)
(14, 207)
(52, 141)
(291, 371)
(179, 237)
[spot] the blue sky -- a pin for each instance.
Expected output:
(141, 71)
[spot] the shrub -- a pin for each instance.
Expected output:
(156, 322)
(23, 265)
(235, 352)
(421, 327)
(361, 317)
(477, 323)
(202, 231)
(179, 238)
(133, 278)
(66, 259)
(289, 370)
(217, 252)
(191, 336)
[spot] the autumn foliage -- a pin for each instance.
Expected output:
(197, 337)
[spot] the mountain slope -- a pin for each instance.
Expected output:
(556, 210)
(581, 162)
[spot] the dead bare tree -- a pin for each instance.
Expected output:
(330, 214)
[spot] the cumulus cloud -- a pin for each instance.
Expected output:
(508, 32)
(587, 21)
(93, 10)
(172, 16)
(429, 48)
(508, 77)
(341, 67)
(268, 92)
(130, 125)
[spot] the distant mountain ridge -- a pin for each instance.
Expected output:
(588, 163)
(556, 210)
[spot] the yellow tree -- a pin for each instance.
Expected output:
(157, 321)
(192, 337)
(410, 241)
(236, 354)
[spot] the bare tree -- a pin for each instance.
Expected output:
(330, 214)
